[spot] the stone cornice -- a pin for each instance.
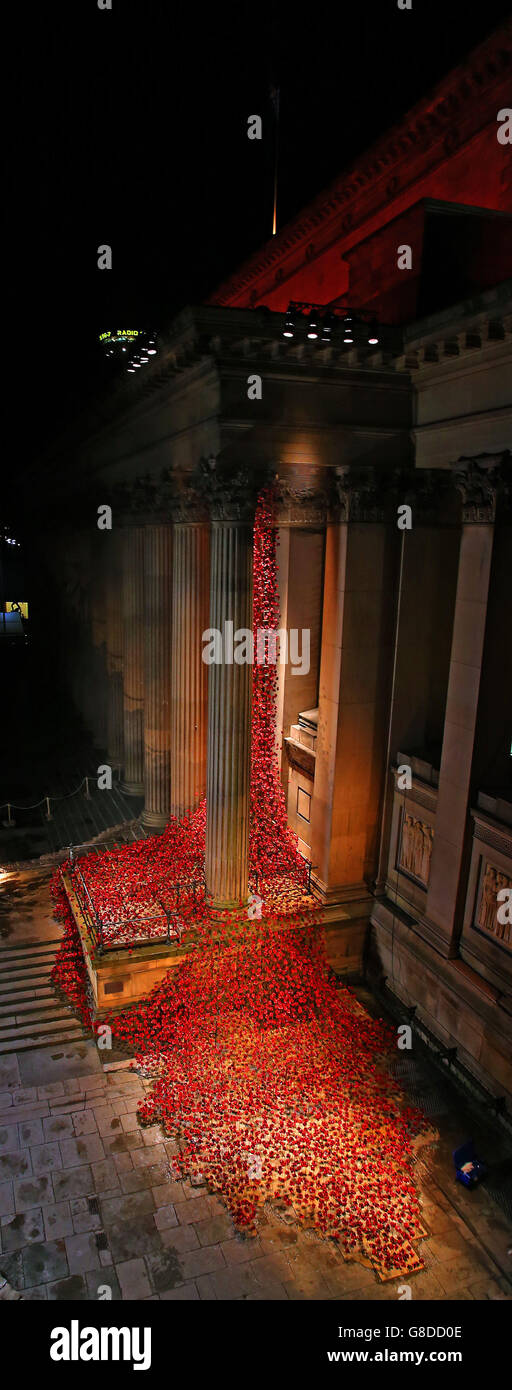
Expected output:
(462, 104)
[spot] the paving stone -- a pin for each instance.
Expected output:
(15, 1165)
(71, 1290)
(239, 1250)
(460, 1272)
(135, 1181)
(44, 1263)
(131, 1103)
(25, 1095)
(57, 1127)
(168, 1192)
(12, 1268)
(179, 1238)
(141, 1237)
(126, 1208)
(105, 1176)
(153, 1135)
(6, 1198)
(100, 1280)
(49, 1092)
(33, 1192)
(45, 1158)
(83, 1219)
(133, 1279)
(206, 1290)
(5, 1100)
(106, 1120)
(349, 1278)
(164, 1217)
(123, 1162)
(183, 1293)
(214, 1229)
(205, 1260)
(9, 1139)
(197, 1209)
(129, 1122)
(76, 1182)
(72, 1085)
(275, 1269)
(226, 1284)
(122, 1143)
(57, 1220)
(164, 1270)
(82, 1252)
(22, 1229)
(88, 1149)
(29, 1112)
(36, 1295)
(30, 1132)
(145, 1156)
(83, 1122)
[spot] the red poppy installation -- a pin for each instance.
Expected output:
(266, 1070)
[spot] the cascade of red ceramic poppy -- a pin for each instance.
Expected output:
(268, 1074)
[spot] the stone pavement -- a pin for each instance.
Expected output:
(91, 1208)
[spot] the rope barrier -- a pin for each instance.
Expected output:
(45, 801)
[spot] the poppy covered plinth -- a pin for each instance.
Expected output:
(119, 978)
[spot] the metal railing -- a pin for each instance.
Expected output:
(124, 934)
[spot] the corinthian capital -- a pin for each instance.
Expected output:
(479, 481)
(359, 494)
(229, 490)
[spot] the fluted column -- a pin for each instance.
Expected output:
(229, 718)
(99, 564)
(189, 674)
(115, 711)
(133, 659)
(157, 693)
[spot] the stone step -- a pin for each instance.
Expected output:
(29, 1044)
(39, 1029)
(28, 949)
(19, 995)
(36, 1007)
(36, 974)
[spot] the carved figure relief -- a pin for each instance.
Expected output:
(415, 848)
(487, 910)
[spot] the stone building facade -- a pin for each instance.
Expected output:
(395, 742)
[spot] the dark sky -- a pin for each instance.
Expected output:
(129, 127)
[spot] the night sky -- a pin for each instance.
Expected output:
(129, 127)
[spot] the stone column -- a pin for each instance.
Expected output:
(115, 710)
(133, 659)
(443, 911)
(229, 712)
(98, 653)
(189, 674)
(355, 671)
(157, 692)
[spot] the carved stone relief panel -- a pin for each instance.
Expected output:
(489, 909)
(415, 848)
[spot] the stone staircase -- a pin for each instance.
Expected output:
(31, 1014)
